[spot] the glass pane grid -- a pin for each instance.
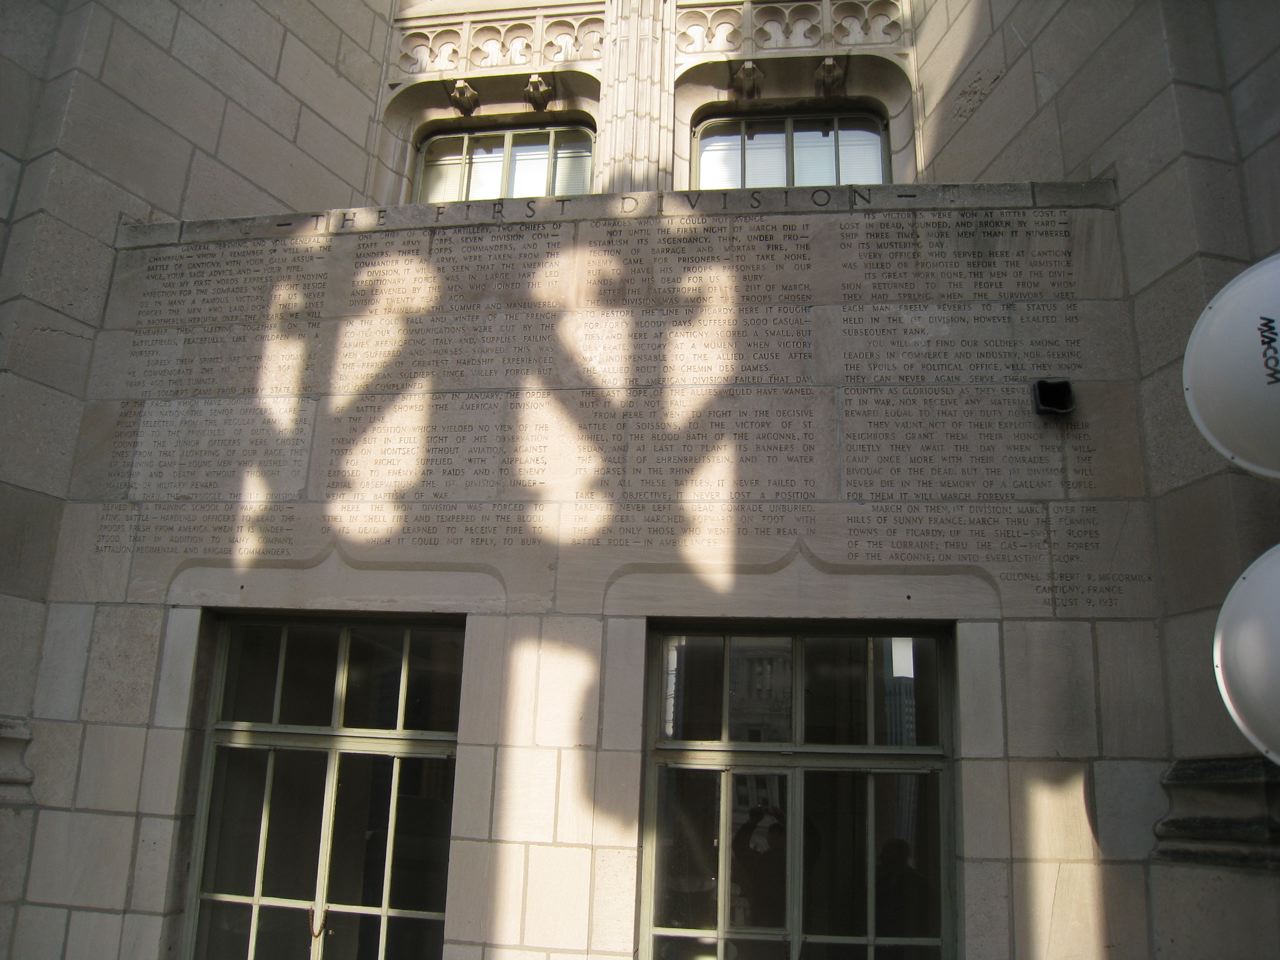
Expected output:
(293, 798)
(891, 684)
(823, 150)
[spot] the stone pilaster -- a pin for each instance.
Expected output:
(634, 146)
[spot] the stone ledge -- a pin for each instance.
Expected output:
(1224, 811)
(1099, 194)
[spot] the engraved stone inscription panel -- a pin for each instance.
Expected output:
(704, 387)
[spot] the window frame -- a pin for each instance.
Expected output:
(508, 133)
(333, 742)
(793, 759)
(871, 119)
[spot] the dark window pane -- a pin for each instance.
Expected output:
(373, 677)
(359, 847)
(252, 658)
(835, 681)
(835, 853)
(908, 862)
(435, 679)
(760, 689)
(833, 951)
(739, 949)
(283, 934)
(420, 858)
(692, 681)
(310, 662)
(409, 938)
(687, 864)
(906, 691)
(683, 948)
(235, 818)
(223, 931)
(908, 953)
(758, 870)
(349, 936)
(293, 827)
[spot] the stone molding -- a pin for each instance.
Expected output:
(502, 41)
(497, 41)
(15, 777)
(1223, 811)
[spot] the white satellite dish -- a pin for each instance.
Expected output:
(1231, 372)
(1246, 653)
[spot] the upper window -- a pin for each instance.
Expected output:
(796, 796)
(790, 152)
(329, 791)
(551, 162)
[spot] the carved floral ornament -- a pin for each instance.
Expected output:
(766, 27)
(479, 45)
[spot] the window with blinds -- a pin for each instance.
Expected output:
(790, 152)
(553, 162)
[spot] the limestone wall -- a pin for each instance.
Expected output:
(561, 417)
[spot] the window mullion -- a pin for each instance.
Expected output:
(278, 694)
(795, 863)
(263, 821)
(549, 183)
(390, 850)
(789, 147)
(404, 679)
(326, 841)
(340, 677)
(724, 883)
(725, 644)
(871, 859)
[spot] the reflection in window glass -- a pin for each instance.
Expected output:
(345, 824)
(760, 689)
(373, 677)
(442, 170)
(310, 664)
(811, 822)
(835, 702)
(906, 691)
(687, 848)
(253, 656)
(907, 855)
(235, 811)
(283, 934)
(420, 856)
(835, 848)
(758, 868)
(694, 680)
(293, 825)
(360, 819)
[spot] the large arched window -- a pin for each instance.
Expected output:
(790, 151)
(490, 165)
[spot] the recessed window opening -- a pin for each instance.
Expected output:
(796, 794)
(492, 165)
(790, 152)
(328, 791)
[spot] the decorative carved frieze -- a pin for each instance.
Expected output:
(574, 34)
(710, 30)
(493, 42)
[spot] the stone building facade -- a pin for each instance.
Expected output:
(528, 492)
